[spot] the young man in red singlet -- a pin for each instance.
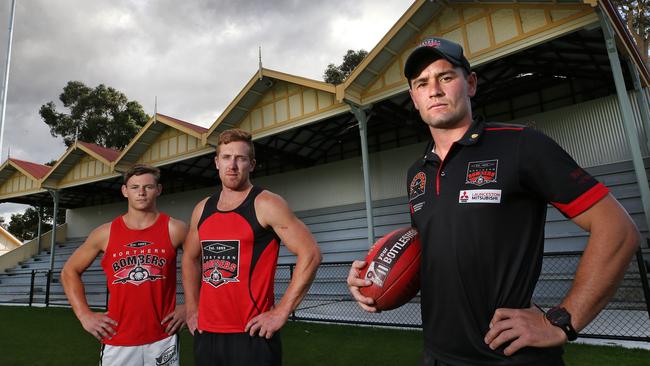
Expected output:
(139, 261)
(229, 261)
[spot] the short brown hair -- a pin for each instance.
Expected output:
(235, 134)
(139, 169)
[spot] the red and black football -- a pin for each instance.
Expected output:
(393, 267)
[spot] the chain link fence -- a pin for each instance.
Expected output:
(626, 316)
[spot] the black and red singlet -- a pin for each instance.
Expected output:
(238, 261)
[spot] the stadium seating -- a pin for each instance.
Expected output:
(342, 235)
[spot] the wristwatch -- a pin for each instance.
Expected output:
(561, 318)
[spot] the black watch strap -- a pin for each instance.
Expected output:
(561, 318)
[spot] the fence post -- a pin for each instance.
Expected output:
(293, 313)
(31, 288)
(47, 288)
(644, 279)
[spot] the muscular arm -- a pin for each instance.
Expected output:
(273, 211)
(177, 232)
(191, 268)
(614, 239)
(612, 242)
(97, 324)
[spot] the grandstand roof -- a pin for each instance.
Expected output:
(107, 154)
(37, 171)
(151, 133)
(529, 57)
(258, 87)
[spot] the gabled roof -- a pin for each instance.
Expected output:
(106, 154)
(148, 135)
(412, 22)
(403, 35)
(253, 92)
(73, 155)
(32, 171)
(182, 125)
(37, 171)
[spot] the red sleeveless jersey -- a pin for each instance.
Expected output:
(238, 260)
(140, 267)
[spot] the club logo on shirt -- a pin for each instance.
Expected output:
(220, 261)
(138, 244)
(482, 172)
(417, 186)
(137, 269)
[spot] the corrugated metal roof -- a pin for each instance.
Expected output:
(108, 154)
(38, 171)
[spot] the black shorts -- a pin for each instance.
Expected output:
(430, 360)
(235, 349)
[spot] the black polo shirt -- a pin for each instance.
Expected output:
(481, 215)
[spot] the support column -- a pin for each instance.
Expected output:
(40, 227)
(642, 102)
(362, 118)
(55, 197)
(628, 117)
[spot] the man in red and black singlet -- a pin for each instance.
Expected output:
(139, 262)
(229, 261)
(478, 197)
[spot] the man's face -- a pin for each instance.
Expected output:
(141, 191)
(441, 93)
(234, 164)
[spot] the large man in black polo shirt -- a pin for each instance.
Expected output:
(478, 197)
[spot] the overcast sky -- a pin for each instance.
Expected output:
(193, 55)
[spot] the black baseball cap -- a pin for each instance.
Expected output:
(431, 49)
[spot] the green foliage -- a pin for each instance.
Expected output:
(25, 226)
(636, 14)
(102, 115)
(337, 74)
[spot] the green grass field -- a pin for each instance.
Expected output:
(38, 336)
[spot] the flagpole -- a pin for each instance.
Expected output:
(6, 79)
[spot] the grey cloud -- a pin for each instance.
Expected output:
(195, 56)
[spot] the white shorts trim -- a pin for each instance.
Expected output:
(164, 352)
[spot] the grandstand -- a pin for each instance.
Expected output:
(338, 153)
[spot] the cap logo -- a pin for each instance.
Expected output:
(430, 42)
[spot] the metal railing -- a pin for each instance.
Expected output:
(626, 316)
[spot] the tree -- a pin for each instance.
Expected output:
(25, 226)
(636, 14)
(102, 115)
(337, 74)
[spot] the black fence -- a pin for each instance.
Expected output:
(626, 317)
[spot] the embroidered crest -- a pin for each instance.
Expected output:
(482, 172)
(417, 186)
